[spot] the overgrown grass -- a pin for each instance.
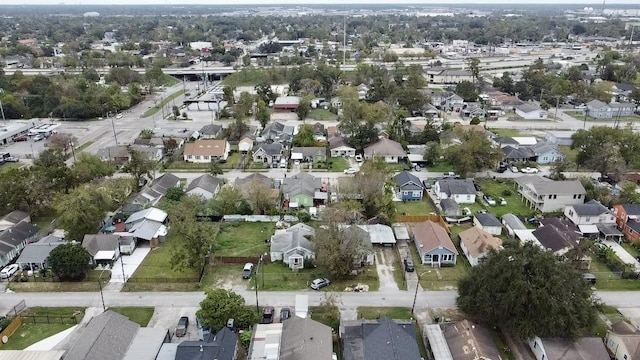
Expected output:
(154, 110)
(633, 251)
(43, 221)
(372, 313)
(218, 275)
(607, 279)
(90, 283)
(440, 167)
(6, 167)
(506, 132)
(328, 315)
(322, 115)
(138, 314)
(399, 272)
(414, 207)
(243, 239)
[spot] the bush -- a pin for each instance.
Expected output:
(303, 216)
(506, 192)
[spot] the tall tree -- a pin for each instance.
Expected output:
(474, 66)
(263, 115)
(227, 201)
(474, 153)
(88, 167)
(304, 107)
(467, 90)
(69, 261)
(304, 137)
(221, 305)
(372, 186)
(193, 238)
(261, 197)
(495, 291)
(139, 164)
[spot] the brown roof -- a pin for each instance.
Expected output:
(206, 147)
(431, 235)
(477, 241)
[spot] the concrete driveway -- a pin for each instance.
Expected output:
(167, 317)
(385, 267)
(131, 263)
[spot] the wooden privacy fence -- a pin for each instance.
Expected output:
(421, 218)
(11, 328)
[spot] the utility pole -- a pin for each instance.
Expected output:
(557, 105)
(113, 126)
(344, 41)
(124, 279)
(2, 109)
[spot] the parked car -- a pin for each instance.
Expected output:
(359, 158)
(489, 200)
(183, 324)
(285, 313)
(408, 265)
(38, 137)
(477, 186)
(502, 201)
(350, 171)
(21, 138)
(319, 283)
(11, 159)
(450, 175)
(247, 271)
(426, 184)
(513, 169)
(8, 271)
(267, 315)
(119, 116)
(590, 278)
(529, 170)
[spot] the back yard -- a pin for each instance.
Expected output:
(39, 323)
(500, 189)
(243, 239)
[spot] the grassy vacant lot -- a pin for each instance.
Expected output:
(138, 314)
(90, 283)
(372, 313)
(440, 167)
(322, 115)
(444, 278)
(414, 207)
(44, 221)
(220, 275)
(29, 334)
(332, 164)
(155, 273)
(243, 239)
(608, 280)
(506, 132)
(328, 315)
(579, 115)
(571, 154)
(497, 190)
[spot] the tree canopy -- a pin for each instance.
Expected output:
(529, 292)
(221, 305)
(606, 149)
(69, 261)
(474, 153)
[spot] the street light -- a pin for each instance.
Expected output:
(415, 296)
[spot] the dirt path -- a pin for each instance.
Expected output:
(384, 265)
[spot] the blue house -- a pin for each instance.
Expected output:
(408, 187)
(546, 153)
(434, 244)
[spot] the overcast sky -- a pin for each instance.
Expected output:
(298, 2)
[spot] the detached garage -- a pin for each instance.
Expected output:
(286, 103)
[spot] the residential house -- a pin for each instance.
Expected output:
(622, 109)
(151, 194)
(530, 111)
(502, 100)
(512, 223)
(245, 145)
(206, 151)
(265, 341)
(221, 345)
(361, 234)
(432, 72)
(148, 224)
(519, 154)
(36, 255)
(434, 245)
(586, 348)
(13, 218)
(450, 207)
(590, 213)
(111, 336)
(120, 155)
(211, 131)
(623, 91)
(623, 341)
(470, 341)
(472, 110)
(439, 100)
(305, 339)
(598, 110)
(338, 147)
(460, 190)
(453, 103)
(408, 187)
(628, 220)
(309, 154)
(14, 239)
(476, 244)
(488, 222)
(381, 339)
(546, 153)
(268, 154)
(318, 129)
(504, 141)
(557, 235)
(303, 190)
(559, 137)
(278, 132)
(286, 103)
(293, 245)
(390, 150)
(166, 143)
(105, 249)
(205, 185)
(547, 195)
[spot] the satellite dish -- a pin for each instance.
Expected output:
(5, 339)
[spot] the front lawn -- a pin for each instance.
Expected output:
(440, 167)
(498, 189)
(414, 207)
(29, 334)
(373, 313)
(138, 314)
(243, 239)
(328, 315)
(41, 322)
(332, 164)
(322, 115)
(90, 283)
(278, 277)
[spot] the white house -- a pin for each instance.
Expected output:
(205, 185)
(245, 145)
(293, 246)
(590, 213)
(623, 341)
(460, 190)
(390, 150)
(476, 244)
(548, 195)
(530, 111)
(586, 348)
(206, 151)
(488, 222)
(512, 223)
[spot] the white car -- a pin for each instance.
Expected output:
(513, 169)
(8, 271)
(350, 171)
(489, 200)
(359, 158)
(119, 116)
(529, 170)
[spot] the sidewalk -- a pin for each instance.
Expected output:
(623, 254)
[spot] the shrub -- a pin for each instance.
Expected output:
(506, 192)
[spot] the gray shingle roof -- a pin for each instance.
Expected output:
(590, 208)
(513, 222)
(383, 339)
(106, 337)
(631, 209)
(528, 107)
(385, 147)
(587, 348)
(404, 178)
(457, 186)
(305, 339)
(300, 183)
(293, 237)
(18, 233)
(99, 242)
(205, 182)
(270, 149)
(211, 129)
(596, 104)
(221, 346)
(462, 334)
(15, 216)
(517, 153)
(37, 253)
(488, 219)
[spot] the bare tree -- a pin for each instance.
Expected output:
(62, 142)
